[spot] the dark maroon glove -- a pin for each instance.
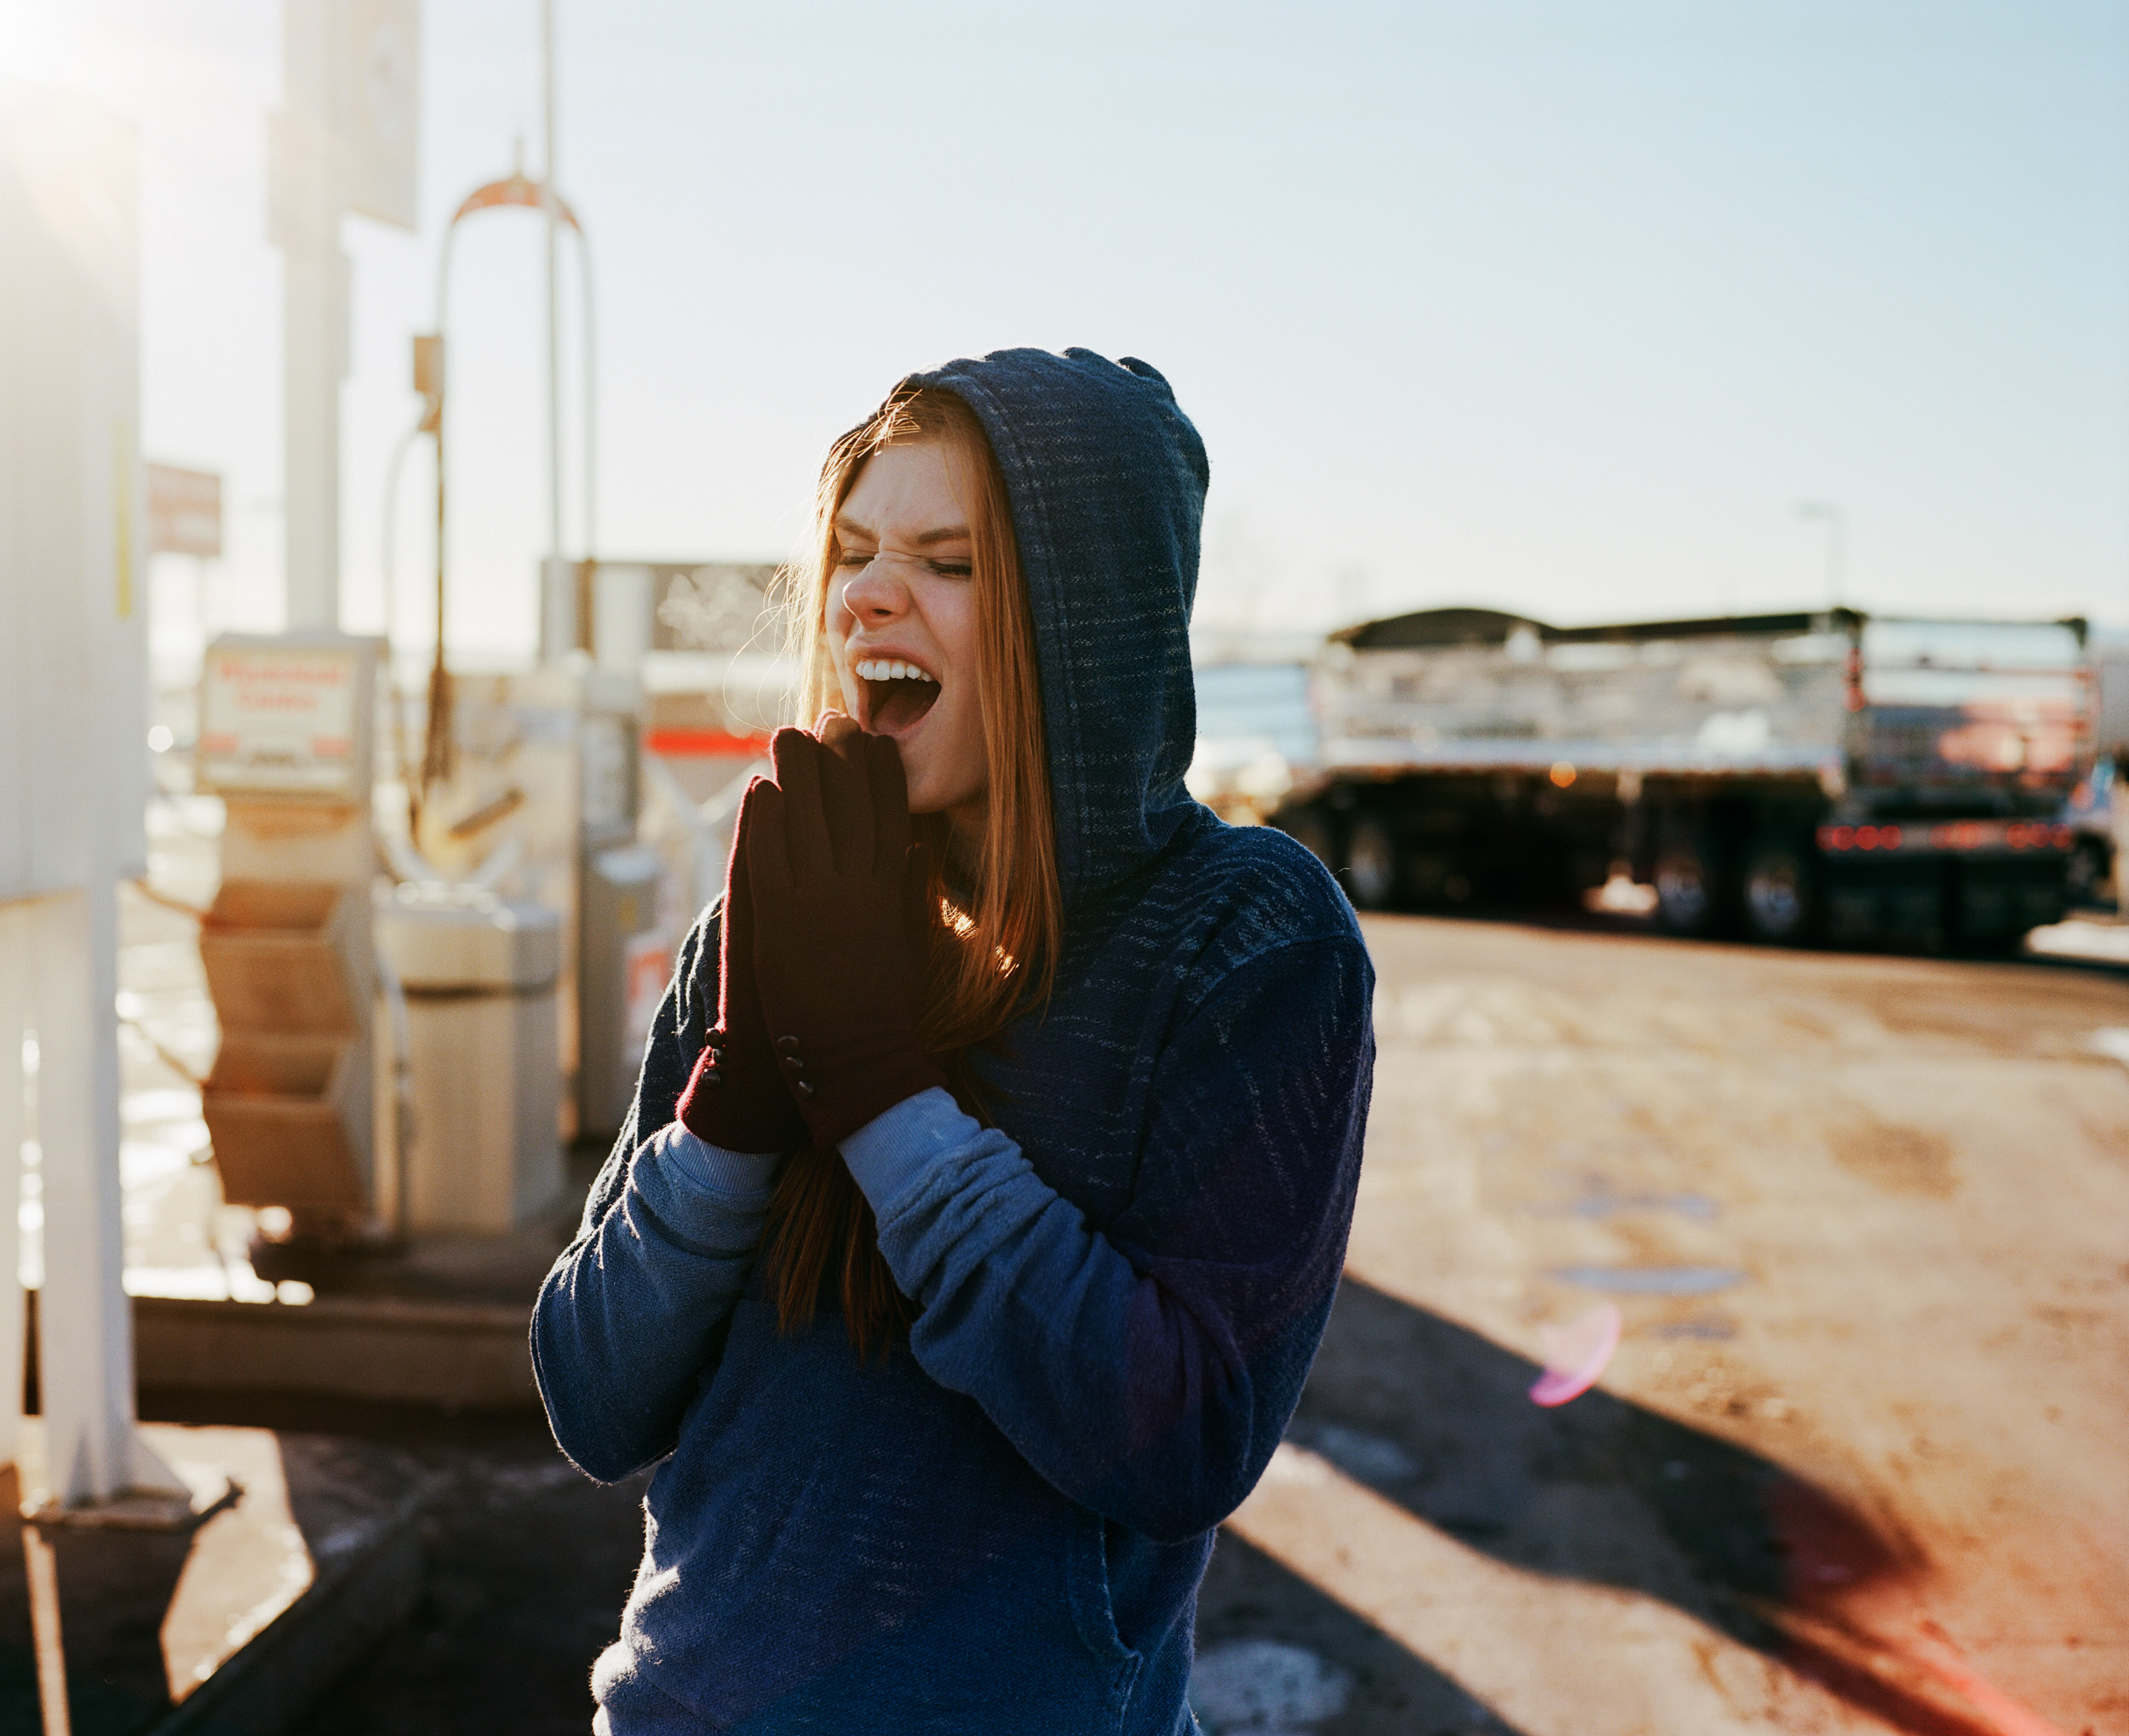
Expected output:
(841, 983)
(735, 1097)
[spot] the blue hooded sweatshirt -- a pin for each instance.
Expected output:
(1002, 1523)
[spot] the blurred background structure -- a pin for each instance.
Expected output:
(1671, 472)
(1556, 311)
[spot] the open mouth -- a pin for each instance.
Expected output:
(896, 694)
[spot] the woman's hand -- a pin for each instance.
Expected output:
(833, 881)
(735, 1098)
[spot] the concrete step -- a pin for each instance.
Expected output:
(443, 1321)
(457, 1355)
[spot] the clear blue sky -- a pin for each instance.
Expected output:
(1553, 304)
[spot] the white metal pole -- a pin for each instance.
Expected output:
(84, 1330)
(15, 1018)
(588, 530)
(307, 179)
(550, 198)
(1836, 522)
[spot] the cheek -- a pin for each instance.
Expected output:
(971, 757)
(835, 634)
(955, 626)
(956, 630)
(836, 622)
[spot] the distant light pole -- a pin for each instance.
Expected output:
(551, 205)
(1836, 522)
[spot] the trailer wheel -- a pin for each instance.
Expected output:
(1777, 892)
(1689, 889)
(1371, 863)
(2087, 874)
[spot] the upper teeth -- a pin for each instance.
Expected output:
(891, 669)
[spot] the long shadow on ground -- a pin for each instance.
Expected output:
(526, 1567)
(1605, 1491)
(1248, 1596)
(115, 1681)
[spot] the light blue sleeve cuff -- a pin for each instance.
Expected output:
(709, 1196)
(740, 1175)
(893, 1152)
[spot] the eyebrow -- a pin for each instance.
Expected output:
(926, 539)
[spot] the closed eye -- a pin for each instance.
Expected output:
(851, 559)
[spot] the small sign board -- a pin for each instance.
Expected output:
(287, 716)
(184, 511)
(381, 108)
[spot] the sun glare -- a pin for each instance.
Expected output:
(37, 45)
(135, 65)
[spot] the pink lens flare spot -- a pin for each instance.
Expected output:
(1937, 1653)
(1576, 1355)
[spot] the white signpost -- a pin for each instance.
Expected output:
(345, 140)
(73, 772)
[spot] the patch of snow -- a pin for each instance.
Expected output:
(1267, 1688)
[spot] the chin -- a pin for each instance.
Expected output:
(921, 799)
(927, 798)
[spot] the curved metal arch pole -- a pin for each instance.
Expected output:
(516, 190)
(394, 473)
(591, 393)
(437, 729)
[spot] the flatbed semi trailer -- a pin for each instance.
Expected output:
(1828, 775)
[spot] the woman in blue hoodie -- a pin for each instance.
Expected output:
(983, 1199)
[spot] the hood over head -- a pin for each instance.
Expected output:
(1107, 480)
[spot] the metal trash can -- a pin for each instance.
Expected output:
(480, 977)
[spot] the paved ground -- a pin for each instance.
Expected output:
(1859, 1462)
(527, 1566)
(1858, 1465)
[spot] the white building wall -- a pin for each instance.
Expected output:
(73, 756)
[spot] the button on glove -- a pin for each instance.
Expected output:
(736, 1098)
(835, 881)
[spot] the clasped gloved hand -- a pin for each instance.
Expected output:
(736, 1097)
(837, 899)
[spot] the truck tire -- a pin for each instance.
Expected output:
(1690, 894)
(1371, 864)
(2088, 875)
(1776, 892)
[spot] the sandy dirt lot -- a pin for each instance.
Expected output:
(1859, 1462)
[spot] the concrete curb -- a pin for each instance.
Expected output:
(458, 1355)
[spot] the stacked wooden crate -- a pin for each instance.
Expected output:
(288, 1103)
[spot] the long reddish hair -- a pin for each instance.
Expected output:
(991, 951)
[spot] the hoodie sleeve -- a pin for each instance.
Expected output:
(1148, 1372)
(634, 1311)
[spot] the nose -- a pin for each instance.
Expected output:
(876, 593)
